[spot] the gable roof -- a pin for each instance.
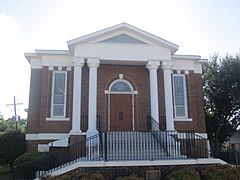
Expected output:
(173, 47)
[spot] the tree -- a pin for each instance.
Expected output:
(12, 145)
(222, 98)
(9, 125)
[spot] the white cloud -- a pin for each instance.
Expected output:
(13, 75)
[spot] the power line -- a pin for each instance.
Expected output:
(15, 108)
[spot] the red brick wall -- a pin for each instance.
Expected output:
(195, 104)
(34, 101)
(138, 76)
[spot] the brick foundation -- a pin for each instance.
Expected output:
(110, 173)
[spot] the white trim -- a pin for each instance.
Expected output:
(186, 57)
(121, 80)
(65, 94)
(59, 68)
(50, 52)
(182, 119)
(59, 143)
(47, 136)
(57, 119)
(170, 162)
(50, 68)
(69, 68)
(185, 96)
(126, 27)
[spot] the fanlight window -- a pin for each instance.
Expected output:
(120, 86)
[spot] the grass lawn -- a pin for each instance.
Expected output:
(5, 173)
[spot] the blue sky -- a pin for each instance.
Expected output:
(201, 27)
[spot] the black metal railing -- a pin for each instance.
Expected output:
(88, 149)
(228, 155)
(179, 144)
(152, 144)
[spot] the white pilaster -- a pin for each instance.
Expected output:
(76, 116)
(153, 66)
(168, 95)
(93, 64)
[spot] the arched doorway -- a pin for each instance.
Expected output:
(121, 106)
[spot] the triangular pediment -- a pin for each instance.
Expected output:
(123, 34)
(122, 38)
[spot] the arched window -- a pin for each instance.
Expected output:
(120, 85)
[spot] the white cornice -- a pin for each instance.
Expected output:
(126, 26)
(52, 52)
(186, 57)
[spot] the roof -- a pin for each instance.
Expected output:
(173, 47)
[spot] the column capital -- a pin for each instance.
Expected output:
(93, 62)
(153, 64)
(78, 61)
(167, 65)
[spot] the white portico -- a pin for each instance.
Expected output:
(122, 44)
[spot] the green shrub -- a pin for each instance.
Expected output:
(12, 145)
(225, 173)
(88, 176)
(212, 174)
(184, 174)
(231, 173)
(27, 164)
(26, 157)
(129, 178)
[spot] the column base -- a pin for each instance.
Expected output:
(91, 133)
(75, 132)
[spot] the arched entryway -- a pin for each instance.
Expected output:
(121, 106)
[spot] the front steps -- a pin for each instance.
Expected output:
(133, 146)
(128, 146)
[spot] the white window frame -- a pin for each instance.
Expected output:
(121, 92)
(185, 96)
(65, 93)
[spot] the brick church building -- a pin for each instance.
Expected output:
(112, 80)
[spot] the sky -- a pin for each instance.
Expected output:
(199, 27)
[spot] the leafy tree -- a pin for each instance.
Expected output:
(222, 98)
(12, 145)
(9, 125)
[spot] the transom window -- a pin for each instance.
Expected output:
(180, 97)
(121, 85)
(59, 94)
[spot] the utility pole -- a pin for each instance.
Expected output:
(15, 108)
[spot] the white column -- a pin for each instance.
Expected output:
(93, 64)
(153, 66)
(168, 95)
(77, 80)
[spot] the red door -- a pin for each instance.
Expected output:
(121, 112)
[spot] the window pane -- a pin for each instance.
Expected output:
(180, 111)
(179, 100)
(120, 86)
(179, 96)
(58, 110)
(58, 99)
(59, 87)
(58, 96)
(178, 84)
